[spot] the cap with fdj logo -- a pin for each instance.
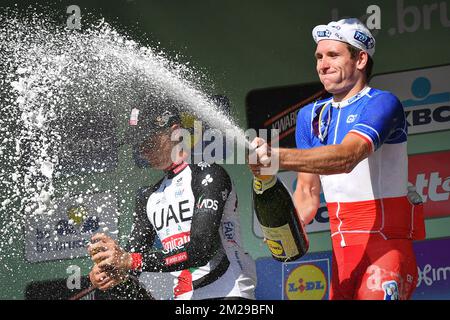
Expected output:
(146, 121)
(351, 31)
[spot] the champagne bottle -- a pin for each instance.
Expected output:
(284, 233)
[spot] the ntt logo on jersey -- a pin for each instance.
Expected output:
(306, 282)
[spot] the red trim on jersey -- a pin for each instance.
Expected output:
(177, 167)
(371, 145)
(390, 217)
(136, 261)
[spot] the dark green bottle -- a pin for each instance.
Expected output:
(284, 233)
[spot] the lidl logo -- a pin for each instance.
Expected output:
(306, 282)
(276, 248)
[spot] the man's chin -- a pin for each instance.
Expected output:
(333, 89)
(158, 166)
(328, 85)
(330, 89)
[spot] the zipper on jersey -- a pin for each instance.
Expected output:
(343, 244)
(337, 123)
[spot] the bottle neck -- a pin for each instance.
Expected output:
(262, 183)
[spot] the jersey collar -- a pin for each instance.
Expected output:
(176, 168)
(346, 102)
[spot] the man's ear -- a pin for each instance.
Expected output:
(175, 132)
(363, 59)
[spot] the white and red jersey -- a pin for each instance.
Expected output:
(193, 212)
(372, 198)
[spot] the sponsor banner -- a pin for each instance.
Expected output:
(65, 233)
(430, 173)
(277, 108)
(321, 219)
(308, 278)
(425, 95)
(433, 263)
(278, 281)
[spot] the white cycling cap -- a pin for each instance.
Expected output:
(351, 31)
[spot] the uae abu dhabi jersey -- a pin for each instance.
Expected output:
(193, 212)
(372, 198)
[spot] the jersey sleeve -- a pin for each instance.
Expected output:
(211, 187)
(303, 129)
(142, 233)
(382, 120)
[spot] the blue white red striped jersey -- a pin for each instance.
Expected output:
(372, 198)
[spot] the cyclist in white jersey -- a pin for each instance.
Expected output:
(192, 210)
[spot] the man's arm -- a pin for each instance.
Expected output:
(332, 159)
(307, 196)
(383, 119)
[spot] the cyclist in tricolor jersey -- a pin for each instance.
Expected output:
(353, 146)
(192, 210)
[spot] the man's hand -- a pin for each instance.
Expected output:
(265, 156)
(108, 256)
(104, 280)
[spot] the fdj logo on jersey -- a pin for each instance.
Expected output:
(306, 282)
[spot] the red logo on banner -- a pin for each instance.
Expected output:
(430, 173)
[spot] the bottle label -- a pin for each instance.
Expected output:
(280, 241)
(261, 185)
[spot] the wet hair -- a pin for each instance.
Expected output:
(354, 52)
